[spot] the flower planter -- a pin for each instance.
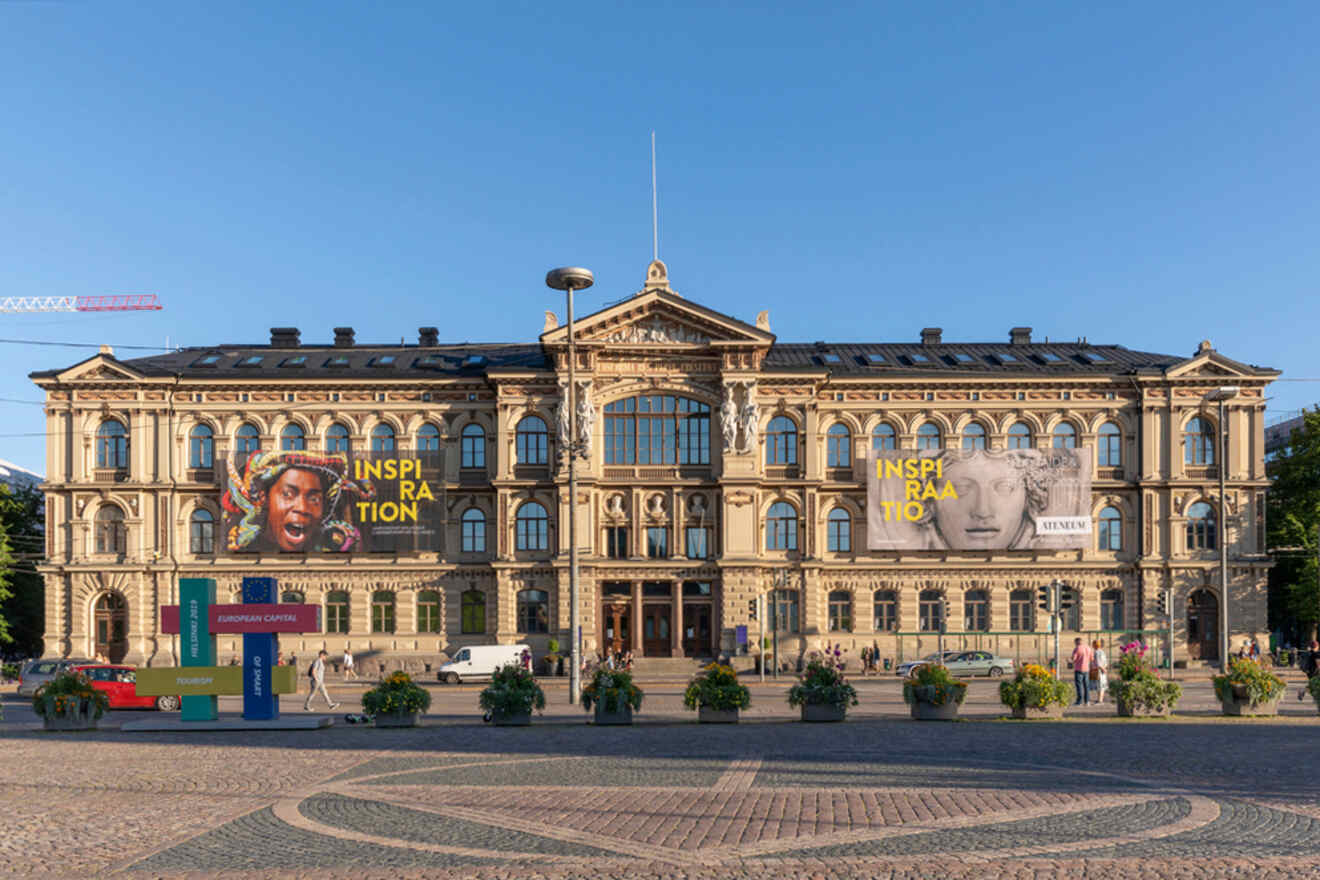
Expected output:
(823, 712)
(618, 716)
(395, 719)
(511, 719)
(924, 711)
(78, 717)
(1052, 712)
(707, 715)
(1235, 706)
(1132, 710)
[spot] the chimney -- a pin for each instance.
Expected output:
(284, 337)
(1019, 336)
(343, 337)
(931, 335)
(428, 336)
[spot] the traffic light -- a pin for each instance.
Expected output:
(752, 607)
(1067, 598)
(1043, 595)
(1162, 602)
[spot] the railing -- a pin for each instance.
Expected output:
(1033, 647)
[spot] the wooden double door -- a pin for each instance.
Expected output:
(1203, 625)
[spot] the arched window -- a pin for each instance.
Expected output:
(473, 446)
(201, 532)
(784, 606)
(838, 446)
(533, 611)
(1065, 436)
(1199, 442)
(1019, 436)
(1111, 609)
(532, 528)
(474, 531)
(976, 611)
(781, 527)
(838, 531)
(201, 447)
(247, 440)
(930, 610)
(337, 439)
(1109, 446)
(111, 533)
(886, 610)
(884, 437)
(533, 441)
(428, 612)
(973, 436)
(928, 436)
(382, 611)
(293, 597)
(336, 612)
(382, 438)
(781, 441)
(1201, 531)
(1020, 611)
(840, 611)
(1111, 529)
(473, 612)
(112, 445)
(657, 429)
(428, 438)
(293, 438)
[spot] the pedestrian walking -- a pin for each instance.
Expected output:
(1310, 663)
(316, 676)
(349, 671)
(1099, 671)
(1081, 664)
(1255, 649)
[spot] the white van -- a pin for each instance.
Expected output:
(480, 661)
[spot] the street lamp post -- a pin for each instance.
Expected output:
(1228, 392)
(568, 279)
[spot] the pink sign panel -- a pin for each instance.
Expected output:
(287, 618)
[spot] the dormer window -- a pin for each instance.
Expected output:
(338, 360)
(209, 360)
(1049, 357)
(384, 360)
(295, 361)
(876, 358)
(919, 358)
(831, 358)
(251, 361)
(474, 360)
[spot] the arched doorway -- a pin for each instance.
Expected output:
(110, 626)
(1203, 625)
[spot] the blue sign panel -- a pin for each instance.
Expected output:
(260, 702)
(740, 635)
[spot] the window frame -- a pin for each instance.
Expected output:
(1109, 446)
(1199, 448)
(884, 610)
(337, 611)
(383, 438)
(201, 532)
(781, 442)
(838, 531)
(1202, 531)
(1064, 436)
(974, 436)
(201, 447)
(111, 530)
(1021, 611)
(839, 611)
(528, 602)
(929, 436)
(838, 446)
(976, 610)
(524, 520)
(1109, 529)
(293, 438)
(884, 436)
(384, 612)
(112, 445)
(531, 444)
(472, 447)
(338, 438)
(781, 530)
(429, 606)
(1019, 436)
(472, 612)
(930, 610)
(472, 531)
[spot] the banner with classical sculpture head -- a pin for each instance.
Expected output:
(978, 499)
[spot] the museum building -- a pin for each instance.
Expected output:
(716, 465)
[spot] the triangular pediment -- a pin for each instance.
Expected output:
(100, 367)
(1211, 364)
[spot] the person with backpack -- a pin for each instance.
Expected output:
(316, 676)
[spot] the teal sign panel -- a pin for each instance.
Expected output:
(197, 643)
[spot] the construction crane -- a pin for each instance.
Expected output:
(120, 302)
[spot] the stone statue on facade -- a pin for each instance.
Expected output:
(586, 418)
(562, 417)
(729, 418)
(749, 418)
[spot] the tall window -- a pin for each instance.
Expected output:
(657, 542)
(1020, 611)
(884, 437)
(838, 531)
(336, 612)
(428, 612)
(532, 528)
(1111, 609)
(1111, 529)
(533, 441)
(1065, 436)
(781, 441)
(336, 439)
(201, 447)
(382, 612)
(293, 438)
(382, 438)
(784, 610)
(1199, 442)
(973, 436)
(474, 447)
(473, 605)
(616, 542)
(930, 610)
(928, 436)
(886, 611)
(112, 445)
(533, 611)
(657, 429)
(697, 539)
(976, 611)
(840, 611)
(474, 531)
(201, 533)
(1201, 527)
(781, 527)
(247, 440)
(111, 533)
(1109, 446)
(428, 438)
(1019, 436)
(838, 446)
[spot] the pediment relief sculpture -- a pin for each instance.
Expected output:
(657, 330)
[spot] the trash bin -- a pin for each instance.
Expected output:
(889, 663)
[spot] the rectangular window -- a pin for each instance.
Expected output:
(840, 615)
(886, 615)
(616, 542)
(382, 617)
(336, 614)
(428, 617)
(474, 534)
(1019, 614)
(657, 542)
(1111, 613)
(1110, 450)
(698, 542)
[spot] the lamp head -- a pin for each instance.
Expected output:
(569, 278)
(1227, 392)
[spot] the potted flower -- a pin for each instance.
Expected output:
(716, 695)
(1139, 691)
(822, 693)
(69, 702)
(511, 696)
(1248, 688)
(613, 695)
(551, 659)
(396, 701)
(1035, 693)
(933, 693)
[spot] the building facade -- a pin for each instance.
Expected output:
(718, 465)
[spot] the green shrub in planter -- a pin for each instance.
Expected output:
(1139, 689)
(65, 693)
(716, 687)
(9, 672)
(1034, 687)
(1313, 688)
(822, 685)
(934, 684)
(512, 691)
(613, 690)
(396, 695)
(1258, 684)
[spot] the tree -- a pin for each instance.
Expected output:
(22, 590)
(1293, 515)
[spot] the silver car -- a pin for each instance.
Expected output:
(38, 672)
(979, 663)
(905, 668)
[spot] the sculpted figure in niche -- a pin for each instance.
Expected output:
(614, 507)
(750, 416)
(586, 418)
(656, 506)
(729, 418)
(562, 415)
(697, 507)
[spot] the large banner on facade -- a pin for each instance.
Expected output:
(333, 502)
(978, 499)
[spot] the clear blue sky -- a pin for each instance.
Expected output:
(1143, 174)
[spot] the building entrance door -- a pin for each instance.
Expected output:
(655, 630)
(696, 629)
(1203, 626)
(618, 627)
(111, 618)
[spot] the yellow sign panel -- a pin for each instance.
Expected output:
(203, 681)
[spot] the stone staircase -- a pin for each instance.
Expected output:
(667, 667)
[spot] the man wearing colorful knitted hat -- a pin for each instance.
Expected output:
(287, 502)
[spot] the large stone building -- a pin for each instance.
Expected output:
(717, 461)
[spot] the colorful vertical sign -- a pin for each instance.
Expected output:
(260, 703)
(197, 642)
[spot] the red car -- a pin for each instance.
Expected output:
(120, 684)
